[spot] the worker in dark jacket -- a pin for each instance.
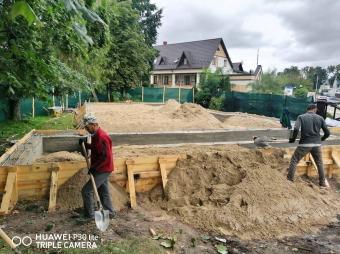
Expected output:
(310, 141)
(101, 167)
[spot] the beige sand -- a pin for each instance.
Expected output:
(60, 157)
(172, 116)
(244, 193)
(69, 194)
(250, 121)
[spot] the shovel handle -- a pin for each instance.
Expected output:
(9, 241)
(96, 192)
(92, 178)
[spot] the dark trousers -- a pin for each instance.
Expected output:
(102, 183)
(299, 153)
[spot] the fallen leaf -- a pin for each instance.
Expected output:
(221, 249)
(167, 244)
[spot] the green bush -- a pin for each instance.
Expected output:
(211, 88)
(217, 103)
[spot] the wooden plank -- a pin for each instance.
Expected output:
(34, 194)
(164, 173)
(330, 171)
(53, 189)
(336, 159)
(131, 185)
(145, 167)
(142, 160)
(10, 196)
(145, 185)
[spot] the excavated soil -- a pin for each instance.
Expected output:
(244, 193)
(60, 157)
(69, 194)
(172, 116)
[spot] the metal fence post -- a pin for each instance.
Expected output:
(33, 107)
(193, 95)
(179, 94)
(142, 93)
(163, 94)
(79, 98)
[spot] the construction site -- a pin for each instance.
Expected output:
(186, 180)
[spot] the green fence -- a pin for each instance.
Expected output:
(265, 104)
(156, 94)
(142, 94)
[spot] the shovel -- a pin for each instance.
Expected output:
(101, 216)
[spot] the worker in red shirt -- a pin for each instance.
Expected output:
(101, 167)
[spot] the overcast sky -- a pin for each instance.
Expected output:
(287, 32)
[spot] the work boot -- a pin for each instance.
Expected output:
(324, 185)
(113, 215)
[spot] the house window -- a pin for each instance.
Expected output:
(185, 61)
(187, 80)
(214, 62)
(155, 79)
(166, 80)
(225, 63)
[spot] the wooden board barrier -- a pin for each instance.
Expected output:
(139, 174)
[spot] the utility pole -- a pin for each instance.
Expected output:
(316, 85)
(257, 57)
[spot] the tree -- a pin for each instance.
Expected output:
(129, 54)
(37, 55)
(149, 19)
(212, 87)
(268, 84)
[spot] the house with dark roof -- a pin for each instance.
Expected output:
(180, 64)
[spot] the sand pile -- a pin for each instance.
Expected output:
(170, 106)
(69, 194)
(60, 157)
(244, 193)
(250, 121)
(172, 116)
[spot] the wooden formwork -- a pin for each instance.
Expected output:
(331, 162)
(39, 181)
(139, 174)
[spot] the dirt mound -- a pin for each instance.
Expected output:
(191, 110)
(150, 118)
(60, 157)
(250, 121)
(170, 106)
(69, 194)
(244, 193)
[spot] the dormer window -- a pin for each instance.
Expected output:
(162, 61)
(185, 62)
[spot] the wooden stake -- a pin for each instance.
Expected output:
(53, 188)
(132, 189)
(164, 174)
(10, 196)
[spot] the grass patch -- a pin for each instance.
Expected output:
(17, 129)
(14, 130)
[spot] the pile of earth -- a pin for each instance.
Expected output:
(69, 194)
(243, 193)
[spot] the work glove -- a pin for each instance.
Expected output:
(291, 140)
(91, 171)
(81, 141)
